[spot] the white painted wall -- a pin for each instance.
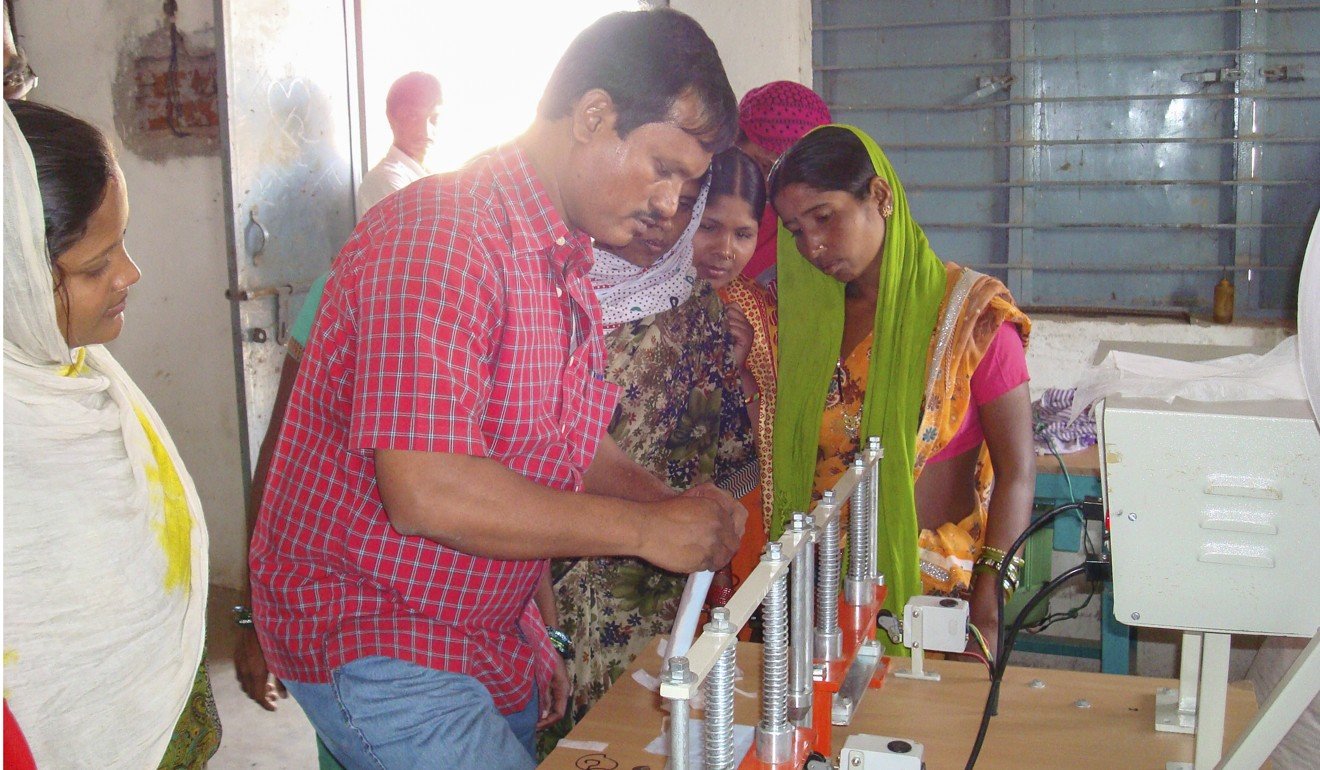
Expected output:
(177, 343)
(759, 40)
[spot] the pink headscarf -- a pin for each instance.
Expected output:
(778, 114)
(773, 117)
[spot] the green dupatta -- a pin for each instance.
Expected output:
(912, 284)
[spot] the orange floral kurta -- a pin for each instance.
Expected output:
(758, 305)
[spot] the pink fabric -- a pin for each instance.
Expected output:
(1003, 368)
(777, 114)
(773, 117)
(767, 240)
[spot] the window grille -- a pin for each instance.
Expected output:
(1120, 155)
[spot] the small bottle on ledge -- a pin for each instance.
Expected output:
(1223, 309)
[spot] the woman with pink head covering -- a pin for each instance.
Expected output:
(771, 118)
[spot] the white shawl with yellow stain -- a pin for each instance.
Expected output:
(105, 549)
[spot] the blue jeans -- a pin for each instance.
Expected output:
(382, 713)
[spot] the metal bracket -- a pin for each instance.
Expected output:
(255, 236)
(1284, 73)
(283, 294)
(1205, 77)
(855, 682)
(282, 313)
(987, 85)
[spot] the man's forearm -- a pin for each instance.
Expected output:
(477, 506)
(615, 474)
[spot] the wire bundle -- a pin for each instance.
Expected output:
(998, 663)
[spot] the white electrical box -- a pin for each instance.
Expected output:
(878, 752)
(935, 624)
(1214, 511)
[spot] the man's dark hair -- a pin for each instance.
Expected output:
(646, 60)
(414, 90)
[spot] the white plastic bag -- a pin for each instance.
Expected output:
(1273, 376)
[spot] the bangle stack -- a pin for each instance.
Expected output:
(243, 616)
(561, 642)
(991, 561)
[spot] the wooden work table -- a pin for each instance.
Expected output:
(1037, 727)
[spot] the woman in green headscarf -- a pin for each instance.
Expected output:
(878, 337)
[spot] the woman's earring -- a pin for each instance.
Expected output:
(887, 210)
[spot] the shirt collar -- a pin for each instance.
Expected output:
(546, 231)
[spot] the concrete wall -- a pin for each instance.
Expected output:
(759, 40)
(177, 343)
(1062, 347)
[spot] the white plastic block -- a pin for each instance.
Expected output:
(880, 752)
(935, 624)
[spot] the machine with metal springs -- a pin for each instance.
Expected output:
(819, 654)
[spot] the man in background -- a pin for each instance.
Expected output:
(413, 110)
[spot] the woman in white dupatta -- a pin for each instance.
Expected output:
(105, 549)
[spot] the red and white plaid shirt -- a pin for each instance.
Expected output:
(458, 319)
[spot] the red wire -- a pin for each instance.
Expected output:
(981, 658)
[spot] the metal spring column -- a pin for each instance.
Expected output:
(801, 622)
(857, 588)
(874, 453)
(774, 735)
(678, 715)
(719, 698)
(829, 638)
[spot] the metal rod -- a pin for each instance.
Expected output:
(1188, 227)
(1089, 98)
(801, 621)
(1194, 140)
(1145, 267)
(1180, 315)
(719, 699)
(934, 186)
(1105, 14)
(857, 588)
(829, 637)
(679, 710)
(875, 452)
(261, 292)
(1248, 202)
(1055, 58)
(1025, 122)
(774, 734)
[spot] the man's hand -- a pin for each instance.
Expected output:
(554, 699)
(742, 333)
(252, 673)
(698, 530)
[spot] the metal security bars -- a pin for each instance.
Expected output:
(1117, 154)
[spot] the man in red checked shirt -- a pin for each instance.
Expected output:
(446, 432)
